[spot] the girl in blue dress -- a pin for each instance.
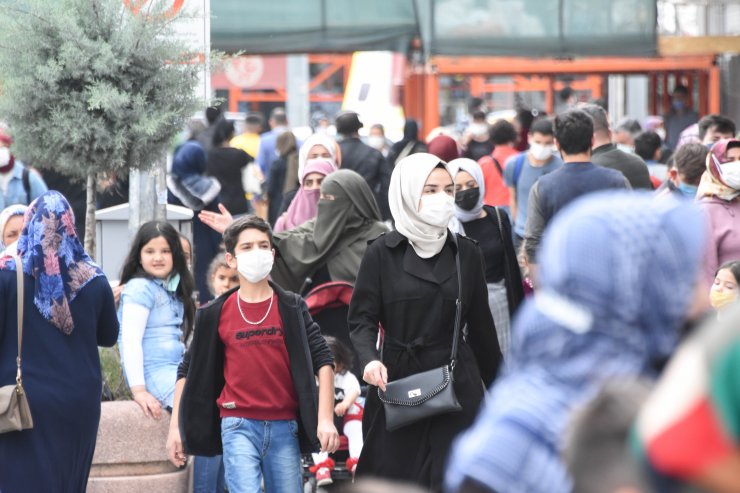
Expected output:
(156, 314)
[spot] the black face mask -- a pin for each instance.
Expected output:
(467, 199)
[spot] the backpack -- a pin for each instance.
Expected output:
(518, 165)
(27, 184)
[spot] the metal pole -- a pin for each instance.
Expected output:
(297, 106)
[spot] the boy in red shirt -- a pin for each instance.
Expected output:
(246, 386)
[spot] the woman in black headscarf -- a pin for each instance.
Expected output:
(329, 247)
(410, 144)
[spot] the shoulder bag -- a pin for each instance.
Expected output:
(429, 393)
(15, 415)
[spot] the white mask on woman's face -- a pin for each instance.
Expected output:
(437, 209)
(255, 264)
(376, 141)
(731, 174)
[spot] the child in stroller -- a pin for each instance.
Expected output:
(328, 304)
(347, 413)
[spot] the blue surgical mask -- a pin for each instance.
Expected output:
(172, 283)
(678, 105)
(688, 191)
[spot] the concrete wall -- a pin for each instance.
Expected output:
(130, 454)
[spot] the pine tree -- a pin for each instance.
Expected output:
(93, 87)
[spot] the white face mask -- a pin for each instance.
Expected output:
(4, 156)
(376, 141)
(478, 130)
(254, 265)
(731, 174)
(661, 133)
(540, 152)
(437, 209)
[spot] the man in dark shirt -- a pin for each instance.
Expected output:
(579, 176)
(679, 116)
(363, 159)
(607, 155)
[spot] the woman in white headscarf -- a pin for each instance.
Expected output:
(317, 147)
(408, 283)
(490, 227)
(11, 224)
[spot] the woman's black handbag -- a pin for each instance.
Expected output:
(429, 393)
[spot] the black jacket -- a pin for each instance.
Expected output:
(203, 365)
(512, 274)
(371, 164)
(630, 165)
(414, 300)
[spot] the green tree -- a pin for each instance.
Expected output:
(93, 88)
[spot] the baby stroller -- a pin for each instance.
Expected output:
(329, 304)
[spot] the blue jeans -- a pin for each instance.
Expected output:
(253, 449)
(208, 475)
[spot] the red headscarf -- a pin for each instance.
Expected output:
(444, 147)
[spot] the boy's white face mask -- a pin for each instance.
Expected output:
(255, 265)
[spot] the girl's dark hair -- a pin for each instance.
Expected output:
(218, 261)
(132, 265)
(733, 266)
(342, 354)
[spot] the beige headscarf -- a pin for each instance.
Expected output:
(404, 194)
(318, 140)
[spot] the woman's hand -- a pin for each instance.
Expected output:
(174, 448)
(376, 374)
(217, 222)
(328, 436)
(147, 402)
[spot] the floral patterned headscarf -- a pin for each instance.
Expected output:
(53, 256)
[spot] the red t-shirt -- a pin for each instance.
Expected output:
(256, 364)
(497, 193)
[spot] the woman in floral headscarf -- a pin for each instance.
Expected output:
(719, 197)
(68, 312)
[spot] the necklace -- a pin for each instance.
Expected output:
(239, 305)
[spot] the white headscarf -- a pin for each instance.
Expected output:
(316, 140)
(404, 194)
(470, 166)
(5, 215)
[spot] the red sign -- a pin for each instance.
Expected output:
(251, 72)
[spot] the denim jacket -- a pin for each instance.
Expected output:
(15, 193)
(161, 344)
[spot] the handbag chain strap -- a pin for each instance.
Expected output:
(458, 305)
(19, 297)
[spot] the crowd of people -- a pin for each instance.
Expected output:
(578, 281)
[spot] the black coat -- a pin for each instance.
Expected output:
(414, 300)
(203, 364)
(371, 164)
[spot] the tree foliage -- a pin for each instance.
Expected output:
(88, 86)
